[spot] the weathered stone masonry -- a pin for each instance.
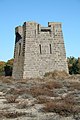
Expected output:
(38, 50)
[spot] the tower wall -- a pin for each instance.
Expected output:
(18, 56)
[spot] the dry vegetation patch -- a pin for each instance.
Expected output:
(61, 108)
(53, 84)
(43, 99)
(11, 98)
(17, 91)
(22, 105)
(13, 114)
(75, 85)
(6, 79)
(36, 91)
(24, 81)
(56, 74)
(66, 106)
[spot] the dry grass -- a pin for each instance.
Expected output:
(8, 79)
(69, 99)
(53, 84)
(66, 106)
(23, 81)
(22, 105)
(61, 108)
(36, 91)
(43, 99)
(56, 74)
(11, 98)
(43, 89)
(75, 85)
(17, 91)
(9, 114)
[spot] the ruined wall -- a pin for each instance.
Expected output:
(43, 50)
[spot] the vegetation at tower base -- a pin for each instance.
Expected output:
(2, 64)
(6, 68)
(73, 65)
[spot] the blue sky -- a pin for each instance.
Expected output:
(15, 12)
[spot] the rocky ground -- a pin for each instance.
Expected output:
(55, 97)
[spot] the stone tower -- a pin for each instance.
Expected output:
(38, 50)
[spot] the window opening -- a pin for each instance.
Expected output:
(50, 49)
(40, 49)
(19, 49)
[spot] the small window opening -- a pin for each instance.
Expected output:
(50, 49)
(38, 28)
(40, 49)
(19, 49)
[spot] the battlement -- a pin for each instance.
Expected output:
(42, 28)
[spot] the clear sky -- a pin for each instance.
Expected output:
(15, 12)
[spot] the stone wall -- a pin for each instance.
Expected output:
(42, 50)
(18, 57)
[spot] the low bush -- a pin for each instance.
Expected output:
(14, 114)
(11, 98)
(61, 108)
(36, 91)
(22, 105)
(75, 85)
(65, 106)
(56, 74)
(53, 84)
(16, 91)
(43, 99)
